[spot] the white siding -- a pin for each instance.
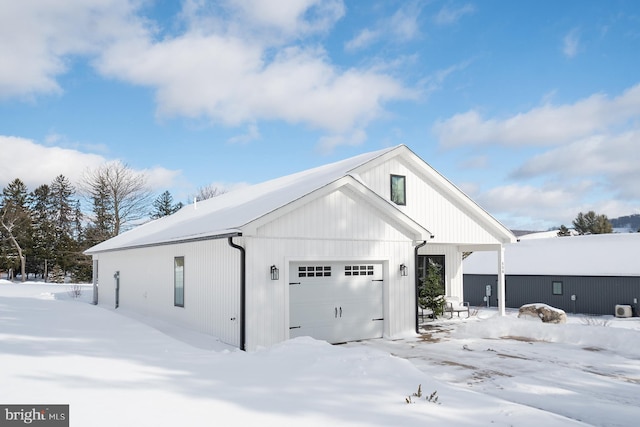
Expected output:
(330, 228)
(452, 266)
(430, 204)
(212, 285)
(338, 215)
(268, 300)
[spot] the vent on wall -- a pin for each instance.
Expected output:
(623, 311)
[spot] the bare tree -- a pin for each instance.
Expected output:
(119, 196)
(11, 218)
(15, 221)
(207, 192)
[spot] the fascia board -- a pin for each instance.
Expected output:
(467, 203)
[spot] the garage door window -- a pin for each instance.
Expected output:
(358, 270)
(314, 271)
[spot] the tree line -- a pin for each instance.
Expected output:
(44, 232)
(589, 223)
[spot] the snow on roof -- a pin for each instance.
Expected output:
(228, 213)
(590, 255)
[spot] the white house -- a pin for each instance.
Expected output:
(333, 252)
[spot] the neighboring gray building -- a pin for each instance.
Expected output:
(579, 274)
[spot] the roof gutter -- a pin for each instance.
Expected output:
(90, 251)
(243, 287)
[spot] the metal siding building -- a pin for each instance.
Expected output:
(316, 253)
(600, 272)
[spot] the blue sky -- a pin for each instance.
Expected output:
(530, 107)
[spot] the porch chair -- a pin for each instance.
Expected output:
(454, 305)
(425, 312)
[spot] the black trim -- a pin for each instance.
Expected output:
(175, 289)
(243, 289)
(416, 280)
(402, 202)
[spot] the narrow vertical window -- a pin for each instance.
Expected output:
(557, 288)
(399, 189)
(178, 281)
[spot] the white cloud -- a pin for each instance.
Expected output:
(329, 142)
(38, 38)
(546, 125)
(535, 207)
(234, 62)
(402, 26)
(571, 43)
(585, 153)
(252, 134)
(531, 207)
(364, 38)
(612, 158)
(404, 22)
(448, 15)
(289, 17)
(37, 164)
(228, 80)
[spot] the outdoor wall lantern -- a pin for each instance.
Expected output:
(403, 270)
(275, 273)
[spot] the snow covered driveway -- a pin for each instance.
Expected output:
(114, 368)
(587, 369)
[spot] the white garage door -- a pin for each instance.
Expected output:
(336, 301)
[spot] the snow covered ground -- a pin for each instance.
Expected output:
(116, 368)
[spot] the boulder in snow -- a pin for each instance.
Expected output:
(543, 312)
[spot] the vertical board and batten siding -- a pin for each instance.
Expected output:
(428, 204)
(331, 228)
(211, 285)
(594, 294)
(452, 267)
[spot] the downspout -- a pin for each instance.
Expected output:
(417, 279)
(243, 286)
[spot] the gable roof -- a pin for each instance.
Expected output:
(589, 255)
(228, 213)
(240, 211)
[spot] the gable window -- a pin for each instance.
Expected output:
(178, 281)
(399, 189)
(556, 288)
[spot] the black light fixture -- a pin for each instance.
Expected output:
(404, 271)
(275, 273)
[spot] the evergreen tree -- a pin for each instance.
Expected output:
(431, 291)
(63, 207)
(43, 229)
(591, 223)
(102, 225)
(57, 274)
(563, 231)
(164, 206)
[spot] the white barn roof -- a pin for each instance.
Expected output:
(589, 255)
(237, 211)
(228, 213)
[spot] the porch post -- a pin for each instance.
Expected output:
(501, 281)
